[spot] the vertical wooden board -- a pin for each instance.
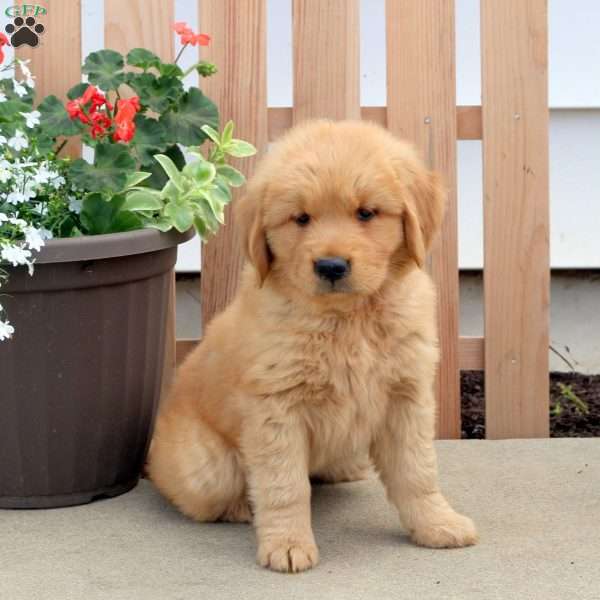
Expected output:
(326, 38)
(517, 274)
(421, 98)
(238, 48)
(146, 24)
(139, 24)
(56, 61)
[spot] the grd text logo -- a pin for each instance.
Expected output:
(24, 30)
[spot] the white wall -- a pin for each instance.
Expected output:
(574, 91)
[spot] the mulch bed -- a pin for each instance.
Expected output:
(569, 423)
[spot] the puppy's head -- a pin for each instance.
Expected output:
(338, 208)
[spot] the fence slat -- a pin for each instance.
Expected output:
(238, 48)
(421, 101)
(326, 59)
(146, 24)
(139, 24)
(60, 44)
(515, 154)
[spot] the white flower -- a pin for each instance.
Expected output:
(75, 204)
(45, 233)
(15, 255)
(3, 219)
(5, 174)
(58, 182)
(3, 141)
(16, 197)
(6, 330)
(33, 238)
(29, 78)
(32, 119)
(19, 141)
(18, 222)
(20, 89)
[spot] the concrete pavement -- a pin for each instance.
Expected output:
(536, 503)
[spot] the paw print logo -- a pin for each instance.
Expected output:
(24, 31)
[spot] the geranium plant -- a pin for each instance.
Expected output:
(148, 168)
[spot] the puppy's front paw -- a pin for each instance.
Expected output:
(452, 531)
(288, 555)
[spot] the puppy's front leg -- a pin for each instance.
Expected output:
(405, 458)
(276, 454)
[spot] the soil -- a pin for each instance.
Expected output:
(570, 422)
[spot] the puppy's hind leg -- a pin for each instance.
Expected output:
(195, 468)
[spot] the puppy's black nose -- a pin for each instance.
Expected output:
(332, 268)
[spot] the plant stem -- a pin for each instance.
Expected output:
(188, 71)
(180, 52)
(61, 146)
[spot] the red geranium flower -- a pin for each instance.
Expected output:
(124, 132)
(126, 111)
(101, 122)
(187, 35)
(3, 42)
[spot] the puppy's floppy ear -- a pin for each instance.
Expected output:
(253, 234)
(423, 213)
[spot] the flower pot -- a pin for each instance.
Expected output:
(81, 378)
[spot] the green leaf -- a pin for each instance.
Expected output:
(221, 190)
(213, 134)
(104, 69)
(99, 215)
(161, 223)
(142, 58)
(201, 171)
(231, 175)
(149, 138)
(181, 215)
(170, 168)
(227, 134)
(159, 178)
(77, 90)
(170, 70)
(136, 178)
(184, 124)
(156, 93)
(54, 120)
(240, 149)
(201, 228)
(215, 207)
(170, 191)
(10, 119)
(205, 212)
(139, 200)
(112, 164)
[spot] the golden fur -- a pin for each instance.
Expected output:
(299, 376)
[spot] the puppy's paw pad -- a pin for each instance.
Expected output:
(455, 531)
(288, 556)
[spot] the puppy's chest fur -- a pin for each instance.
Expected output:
(341, 372)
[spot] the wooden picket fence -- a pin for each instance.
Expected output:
(512, 121)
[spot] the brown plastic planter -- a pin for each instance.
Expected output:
(81, 378)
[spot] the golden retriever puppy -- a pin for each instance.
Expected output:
(327, 353)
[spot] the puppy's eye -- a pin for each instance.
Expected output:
(365, 214)
(302, 220)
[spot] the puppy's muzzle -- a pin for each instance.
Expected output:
(332, 268)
